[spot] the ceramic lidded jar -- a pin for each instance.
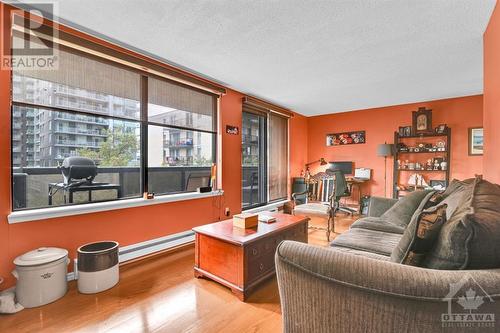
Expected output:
(41, 276)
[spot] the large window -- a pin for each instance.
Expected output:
(143, 133)
(264, 157)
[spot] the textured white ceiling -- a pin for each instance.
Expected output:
(314, 57)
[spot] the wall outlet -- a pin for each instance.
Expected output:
(227, 212)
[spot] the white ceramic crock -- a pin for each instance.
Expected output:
(41, 276)
(98, 267)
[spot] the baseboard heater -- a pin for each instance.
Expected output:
(145, 248)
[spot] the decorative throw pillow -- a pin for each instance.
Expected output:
(454, 186)
(428, 226)
(403, 210)
(435, 199)
(420, 236)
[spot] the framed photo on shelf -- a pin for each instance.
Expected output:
(476, 139)
(407, 131)
(422, 121)
(441, 129)
(438, 184)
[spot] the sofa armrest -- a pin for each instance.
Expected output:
(323, 290)
(379, 206)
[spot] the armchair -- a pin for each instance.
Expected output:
(300, 191)
(311, 209)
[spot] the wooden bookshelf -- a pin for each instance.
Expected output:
(402, 172)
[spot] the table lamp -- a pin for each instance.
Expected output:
(321, 162)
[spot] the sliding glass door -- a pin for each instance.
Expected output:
(254, 160)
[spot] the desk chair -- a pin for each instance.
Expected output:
(341, 190)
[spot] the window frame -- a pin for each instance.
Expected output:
(262, 169)
(263, 111)
(143, 122)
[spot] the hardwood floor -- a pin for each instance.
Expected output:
(160, 294)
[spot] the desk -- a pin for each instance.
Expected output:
(351, 181)
(54, 187)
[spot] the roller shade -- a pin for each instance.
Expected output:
(278, 157)
(174, 104)
(78, 70)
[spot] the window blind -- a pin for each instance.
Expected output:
(278, 157)
(174, 104)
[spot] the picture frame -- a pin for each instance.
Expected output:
(408, 131)
(401, 131)
(435, 182)
(476, 141)
(346, 138)
(422, 121)
(441, 129)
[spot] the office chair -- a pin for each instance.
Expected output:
(341, 190)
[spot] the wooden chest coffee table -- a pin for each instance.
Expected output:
(242, 258)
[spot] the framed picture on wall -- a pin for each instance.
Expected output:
(422, 121)
(346, 138)
(475, 141)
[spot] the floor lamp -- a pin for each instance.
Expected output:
(385, 150)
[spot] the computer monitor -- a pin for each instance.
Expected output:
(345, 167)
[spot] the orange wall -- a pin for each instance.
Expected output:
(492, 98)
(380, 124)
(298, 145)
(132, 225)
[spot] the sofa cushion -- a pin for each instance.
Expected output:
(471, 236)
(361, 253)
(368, 240)
(378, 224)
(403, 210)
(420, 236)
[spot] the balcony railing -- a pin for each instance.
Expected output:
(83, 131)
(249, 139)
(162, 180)
(179, 143)
(83, 119)
(81, 93)
(77, 143)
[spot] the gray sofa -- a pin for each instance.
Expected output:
(360, 285)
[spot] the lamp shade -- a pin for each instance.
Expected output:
(384, 150)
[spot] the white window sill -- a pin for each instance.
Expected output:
(267, 207)
(47, 213)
